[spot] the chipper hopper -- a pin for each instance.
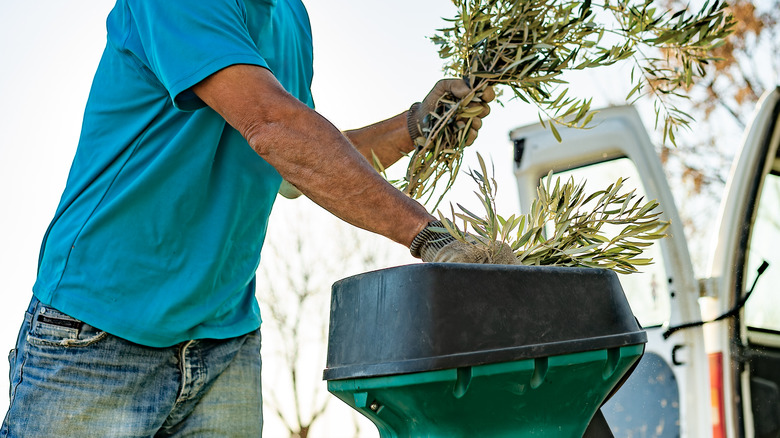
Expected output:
(461, 350)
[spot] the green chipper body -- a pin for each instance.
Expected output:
(457, 350)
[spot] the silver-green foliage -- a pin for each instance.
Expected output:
(609, 228)
(526, 47)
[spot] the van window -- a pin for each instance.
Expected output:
(647, 291)
(762, 309)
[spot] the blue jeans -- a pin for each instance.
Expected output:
(69, 379)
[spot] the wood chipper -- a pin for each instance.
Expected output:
(462, 350)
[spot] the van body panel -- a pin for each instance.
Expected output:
(747, 236)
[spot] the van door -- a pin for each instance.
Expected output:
(668, 393)
(745, 274)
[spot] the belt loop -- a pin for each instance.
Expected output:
(33, 306)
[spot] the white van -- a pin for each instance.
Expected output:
(719, 379)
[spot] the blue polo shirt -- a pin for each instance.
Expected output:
(158, 233)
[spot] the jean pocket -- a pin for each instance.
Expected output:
(51, 327)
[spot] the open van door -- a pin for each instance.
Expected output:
(668, 394)
(745, 282)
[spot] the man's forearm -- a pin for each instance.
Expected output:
(389, 140)
(311, 153)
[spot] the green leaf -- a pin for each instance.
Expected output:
(555, 132)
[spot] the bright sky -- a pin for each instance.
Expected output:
(372, 60)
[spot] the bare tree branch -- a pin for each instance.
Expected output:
(294, 288)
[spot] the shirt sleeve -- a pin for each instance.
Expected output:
(182, 42)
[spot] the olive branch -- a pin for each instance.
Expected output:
(565, 227)
(527, 46)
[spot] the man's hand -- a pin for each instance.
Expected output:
(457, 89)
(433, 245)
(461, 252)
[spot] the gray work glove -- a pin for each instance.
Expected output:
(288, 190)
(455, 89)
(432, 245)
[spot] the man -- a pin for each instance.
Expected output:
(144, 320)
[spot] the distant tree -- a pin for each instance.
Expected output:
(299, 266)
(292, 291)
(747, 65)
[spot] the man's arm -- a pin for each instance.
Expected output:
(390, 140)
(310, 153)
